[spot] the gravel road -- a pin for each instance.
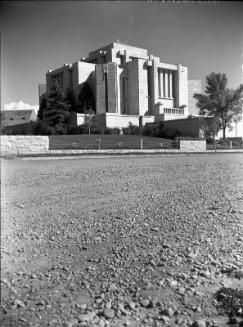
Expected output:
(133, 241)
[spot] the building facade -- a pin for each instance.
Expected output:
(129, 85)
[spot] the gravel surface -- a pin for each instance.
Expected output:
(145, 241)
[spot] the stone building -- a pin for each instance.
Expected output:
(129, 84)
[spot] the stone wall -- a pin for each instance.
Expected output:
(193, 146)
(113, 120)
(39, 145)
(120, 121)
(24, 144)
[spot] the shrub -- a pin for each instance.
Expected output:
(131, 130)
(158, 130)
(112, 131)
(80, 129)
(223, 142)
(150, 130)
(96, 128)
(43, 128)
(167, 133)
(61, 129)
(175, 144)
(21, 129)
(210, 140)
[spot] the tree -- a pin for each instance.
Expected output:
(89, 115)
(42, 107)
(219, 101)
(87, 98)
(209, 127)
(55, 110)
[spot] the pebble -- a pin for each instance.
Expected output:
(19, 303)
(87, 316)
(72, 323)
(205, 274)
(166, 319)
(199, 323)
(168, 312)
(109, 313)
(144, 303)
(181, 290)
(122, 272)
(132, 305)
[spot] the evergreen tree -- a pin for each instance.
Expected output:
(55, 110)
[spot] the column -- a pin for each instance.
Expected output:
(161, 83)
(170, 83)
(166, 84)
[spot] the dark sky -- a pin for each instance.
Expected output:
(41, 35)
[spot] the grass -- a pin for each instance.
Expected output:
(85, 141)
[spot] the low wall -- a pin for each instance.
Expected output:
(192, 146)
(24, 144)
(39, 145)
(120, 121)
(115, 120)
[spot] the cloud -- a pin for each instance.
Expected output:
(21, 105)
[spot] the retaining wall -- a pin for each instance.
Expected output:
(39, 145)
(192, 146)
(24, 144)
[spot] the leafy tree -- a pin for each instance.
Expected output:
(89, 116)
(210, 127)
(219, 101)
(87, 98)
(55, 110)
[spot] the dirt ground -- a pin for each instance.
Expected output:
(123, 241)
